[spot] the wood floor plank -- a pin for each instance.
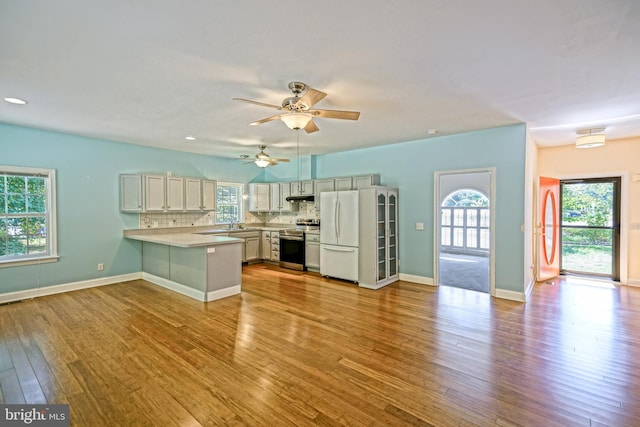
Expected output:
(295, 348)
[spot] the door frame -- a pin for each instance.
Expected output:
(624, 213)
(492, 223)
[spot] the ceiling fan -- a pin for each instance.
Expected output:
(262, 159)
(297, 112)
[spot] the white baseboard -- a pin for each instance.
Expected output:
(511, 295)
(223, 293)
(528, 290)
(174, 286)
(191, 292)
(67, 287)
(417, 279)
(633, 282)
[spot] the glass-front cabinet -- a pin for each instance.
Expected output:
(378, 254)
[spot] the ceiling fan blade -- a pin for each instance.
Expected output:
(310, 98)
(262, 104)
(311, 127)
(336, 114)
(268, 119)
(281, 160)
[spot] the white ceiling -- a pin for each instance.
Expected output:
(154, 71)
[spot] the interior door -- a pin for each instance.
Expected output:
(549, 227)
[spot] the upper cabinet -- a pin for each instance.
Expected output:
(259, 197)
(365, 181)
(320, 186)
(154, 193)
(159, 193)
(344, 183)
(192, 194)
(175, 194)
(199, 195)
(209, 195)
(131, 193)
(302, 188)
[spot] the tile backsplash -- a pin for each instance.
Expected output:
(188, 219)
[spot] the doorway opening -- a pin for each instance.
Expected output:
(464, 230)
(590, 227)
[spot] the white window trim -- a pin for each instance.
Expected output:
(52, 235)
(240, 195)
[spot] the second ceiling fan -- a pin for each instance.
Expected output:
(297, 112)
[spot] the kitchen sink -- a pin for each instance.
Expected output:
(227, 230)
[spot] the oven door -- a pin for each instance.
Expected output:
(292, 252)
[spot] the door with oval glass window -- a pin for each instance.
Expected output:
(548, 253)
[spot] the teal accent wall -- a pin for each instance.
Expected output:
(90, 224)
(410, 166)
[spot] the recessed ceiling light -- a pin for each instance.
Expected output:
(432, 131)
(190, 138)
(17, 101)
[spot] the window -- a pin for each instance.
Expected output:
(229, 202)
(27, 216)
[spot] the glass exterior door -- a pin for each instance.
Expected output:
(590, 227)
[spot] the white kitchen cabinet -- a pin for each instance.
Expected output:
(344, 183)
(259, 199)
(302, 188)
(275, 246)
(274, 197)
(154, 193)
(265, 245)
(378, 231)
(312, 251)
(365, 181)
(209, 195)
(131, 193)
(285, 191)
(175, 194)
(251, 248)
(320, 186)
(192, 194)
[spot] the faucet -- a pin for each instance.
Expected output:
(232, 223)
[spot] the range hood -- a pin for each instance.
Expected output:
(300, 199)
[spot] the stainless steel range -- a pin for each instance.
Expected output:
(292, 254)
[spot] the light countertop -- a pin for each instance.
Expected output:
(183, 240)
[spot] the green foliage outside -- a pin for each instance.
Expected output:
(583, 249)
(227, 202)
(589, 204)
(23, 210)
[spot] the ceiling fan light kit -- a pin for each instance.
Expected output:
(297, 112)
(589, 138)
(296, 120)
(262, 159)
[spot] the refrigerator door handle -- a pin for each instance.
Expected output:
(336, 221)
(338, 249)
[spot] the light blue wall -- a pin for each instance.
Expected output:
(410, 166)
(90, 224)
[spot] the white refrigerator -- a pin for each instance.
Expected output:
(339, 234)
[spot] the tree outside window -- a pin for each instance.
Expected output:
(229, 202)
(25, 214)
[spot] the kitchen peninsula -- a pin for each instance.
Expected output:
(205, 267)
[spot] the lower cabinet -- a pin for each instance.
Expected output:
(312, 252)
(251, 249)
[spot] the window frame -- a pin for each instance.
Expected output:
(51, 253)
(240, 204)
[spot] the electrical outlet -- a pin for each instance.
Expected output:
(419, 225)
(100, 267)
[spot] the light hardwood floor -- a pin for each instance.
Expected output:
(298, 349)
